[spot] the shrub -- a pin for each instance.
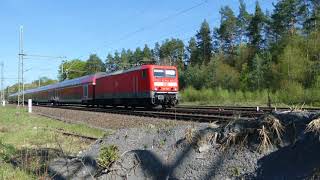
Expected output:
(107, 156)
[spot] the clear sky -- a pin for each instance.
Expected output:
(76, 28)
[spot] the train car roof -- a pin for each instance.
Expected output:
(72, 82)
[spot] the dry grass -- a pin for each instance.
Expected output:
(189, 135)
(314, 127)
(265, 142)
(275, 126)
(229, 141)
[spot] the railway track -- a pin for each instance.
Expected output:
(245, 108)
(179, 113)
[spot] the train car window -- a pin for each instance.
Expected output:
(170, 73)
(85, 91)
(159, 73)
(144, 73)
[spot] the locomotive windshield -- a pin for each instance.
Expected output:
(164, 73)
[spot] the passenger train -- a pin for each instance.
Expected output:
(143, 86)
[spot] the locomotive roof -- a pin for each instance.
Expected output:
(87, 79)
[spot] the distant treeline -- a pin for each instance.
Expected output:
(259, 51)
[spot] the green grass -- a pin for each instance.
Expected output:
(285, 98)
(7, 172)
(31, 133)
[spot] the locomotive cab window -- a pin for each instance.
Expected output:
(171, 73)
(159, 73)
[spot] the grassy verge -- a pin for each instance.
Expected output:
(310, 97)
(27, 137)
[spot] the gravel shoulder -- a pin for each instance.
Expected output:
(105, 120)
(195, 151)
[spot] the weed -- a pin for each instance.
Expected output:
(265, 142)
(314, 127)
(235, 171)
(6, 152)
(189, 135)
(145, 146)
(162, 142)
(275, 126)
(107, 156)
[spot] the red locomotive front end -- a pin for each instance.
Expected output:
(164, 85)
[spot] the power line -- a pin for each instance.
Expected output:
(152, 25)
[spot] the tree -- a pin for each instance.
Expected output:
(94, 64)
(172, 52)
(117, 61)
(227, 32)
(124, 59)
(255, 29)
(243, 21)
(193, 52)
(287, 17)
(156, 53)
(137, 56)
(147, 53)
(71, 69)
(204, 42)
(312, 22)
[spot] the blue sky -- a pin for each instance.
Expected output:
(76, 28)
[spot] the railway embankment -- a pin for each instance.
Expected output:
(281, 145)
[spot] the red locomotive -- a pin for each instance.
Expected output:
(146, 85)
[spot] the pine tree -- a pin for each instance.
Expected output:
(94, 64)
(124, 62)
(255, 29)
(137, 56)
(243, 21)
(312, 22)
(193, 52)
(204, 43)
(227, 31)
(147, 54)
(109, 63)
(156, 53)
(287, 18)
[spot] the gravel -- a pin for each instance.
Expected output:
(152, 152)
(105, 120)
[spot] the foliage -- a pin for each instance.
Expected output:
(107, 156)
(94, 64)
(72, 69)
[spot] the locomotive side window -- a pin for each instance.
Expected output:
(159, 73)
(171, 73)
(144, 73)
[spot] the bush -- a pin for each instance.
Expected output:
(107, 156)
(292, 94)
